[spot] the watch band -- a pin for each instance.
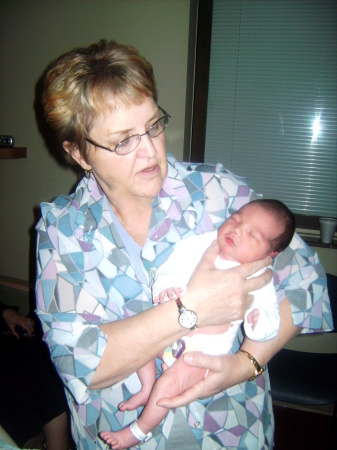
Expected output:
(185, 315)
(257, 367)
(179, 304)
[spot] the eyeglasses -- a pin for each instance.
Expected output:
(130, 144)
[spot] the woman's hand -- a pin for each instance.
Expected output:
(224, 372)
(221, 296)
(217, 296)
(13, 318)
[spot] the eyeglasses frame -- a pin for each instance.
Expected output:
(139, 136)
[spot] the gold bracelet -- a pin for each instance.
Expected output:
(257, 367)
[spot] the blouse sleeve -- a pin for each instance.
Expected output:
(70, 314)
(300, 277)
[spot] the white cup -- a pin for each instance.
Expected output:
(328, 227)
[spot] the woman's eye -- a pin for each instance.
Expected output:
(112, 145)
(154, 126)
(124, 143)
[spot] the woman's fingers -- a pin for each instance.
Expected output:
(249, 269)
(222, 296)
(197, 391)
(203, 361)
(210, 254)
(214, 382)
(262, 278)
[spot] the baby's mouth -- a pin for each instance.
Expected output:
(229, 241)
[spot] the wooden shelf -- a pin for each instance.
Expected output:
(16, 283)
(13, 152)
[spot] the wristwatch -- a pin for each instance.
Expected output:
(187, 318)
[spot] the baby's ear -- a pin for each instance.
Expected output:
(273, 254)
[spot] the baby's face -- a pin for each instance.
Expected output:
(247, 235)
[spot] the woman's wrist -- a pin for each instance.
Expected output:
(247, 368)
(258, 369)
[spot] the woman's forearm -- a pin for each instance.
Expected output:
(133, 342)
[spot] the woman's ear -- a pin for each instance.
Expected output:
(273, 254)
(74, 152)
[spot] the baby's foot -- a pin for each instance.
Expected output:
(120, 439)
(139, 399)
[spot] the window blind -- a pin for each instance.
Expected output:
(272, 99)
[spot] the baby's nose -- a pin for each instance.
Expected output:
(236, 230)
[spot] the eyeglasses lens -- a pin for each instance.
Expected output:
(130, 144)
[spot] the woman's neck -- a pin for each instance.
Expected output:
(135, 217)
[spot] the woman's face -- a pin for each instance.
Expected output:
(137, 175)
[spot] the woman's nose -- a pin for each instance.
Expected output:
(146, 147)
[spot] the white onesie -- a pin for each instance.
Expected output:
(176, 272)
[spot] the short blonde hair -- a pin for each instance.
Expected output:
(86, 82)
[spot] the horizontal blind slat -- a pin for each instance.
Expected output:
(273, 72)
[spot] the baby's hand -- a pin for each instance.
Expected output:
(253, 317)
(167, 294)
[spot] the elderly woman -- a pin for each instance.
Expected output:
(99, 248)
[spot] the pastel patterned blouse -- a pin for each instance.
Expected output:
(85, 278)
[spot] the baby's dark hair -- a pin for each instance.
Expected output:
(284, 216)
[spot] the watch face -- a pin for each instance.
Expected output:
(188, 319)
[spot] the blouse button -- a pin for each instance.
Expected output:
(196, 424)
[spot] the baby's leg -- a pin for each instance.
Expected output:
(175, 380)
(172, 382)
(147, 377)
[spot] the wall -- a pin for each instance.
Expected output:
(32, 34)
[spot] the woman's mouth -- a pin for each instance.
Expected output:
(150, 171)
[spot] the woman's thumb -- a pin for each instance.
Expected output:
(197, 359)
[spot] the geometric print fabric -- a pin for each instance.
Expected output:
(85, 277)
